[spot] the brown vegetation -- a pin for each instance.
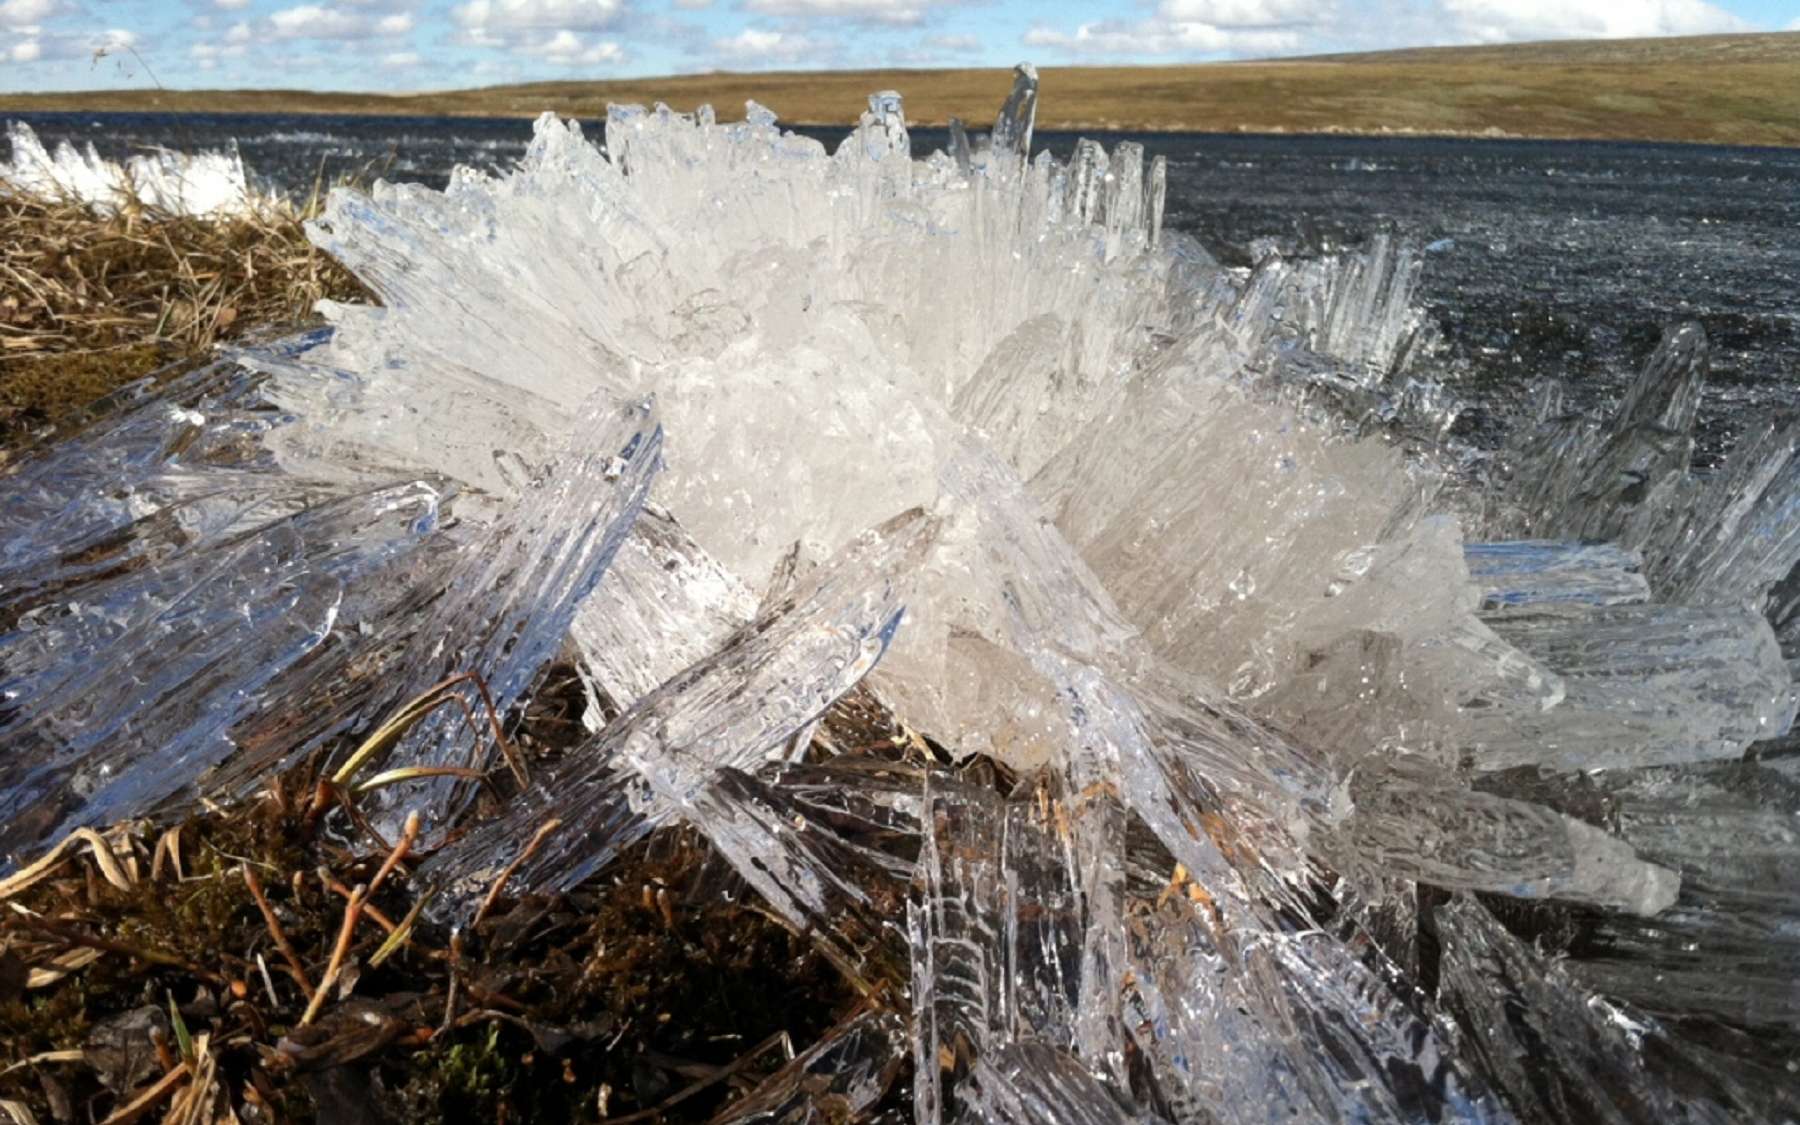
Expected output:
(91, 301)
(1737, 89)
(270, 963)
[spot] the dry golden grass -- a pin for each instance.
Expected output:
(89, 302)
(1734, 89)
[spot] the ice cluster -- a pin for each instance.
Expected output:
(205, 184)
(1245, 712)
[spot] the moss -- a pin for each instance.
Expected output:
(42, 390)
(470, 1080)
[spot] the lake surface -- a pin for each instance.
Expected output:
(1549, 258)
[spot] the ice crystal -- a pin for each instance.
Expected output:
(207, 184)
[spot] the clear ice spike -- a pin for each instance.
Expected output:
(1540, 576)
(845, 1073)
(1563, 1054)
(1646, 685)
(97, 733)
(512, 599)
(1032, 1083)
(773, 677)
(664, 604)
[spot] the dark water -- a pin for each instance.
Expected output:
(1549, 258)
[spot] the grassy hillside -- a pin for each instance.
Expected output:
(1734, 89)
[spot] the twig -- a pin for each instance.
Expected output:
(386, 736)
(409, 834)
(140, 1105)
(531, 848)
(376, 916)
(456, 948)
(168, 843)
(512, 756)
(352, 911)
(275, 931)
(417, 773)
(263, 967)
(44, 1057)
(400, 935)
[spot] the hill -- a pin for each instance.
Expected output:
(1733, 89)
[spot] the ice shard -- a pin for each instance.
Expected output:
(1410, 821)
(665, 604)
(1034, 1082)
(1741, 533)
(1541, 576)
(1017, 117)
(1560, 1053)
(842, 1075)
(1621, 481)
(997, 926)
(774, 676)
(511, 602)
(1646, 685)
(1725, 947)
(95, 733)
(207, 184)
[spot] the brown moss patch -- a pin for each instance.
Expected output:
(90, 302)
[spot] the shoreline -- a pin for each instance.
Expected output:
(1733, 90)
(10, 111)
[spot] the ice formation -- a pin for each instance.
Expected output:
(207, 184)
(1283, 706)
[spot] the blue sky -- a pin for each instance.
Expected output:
(429, 44)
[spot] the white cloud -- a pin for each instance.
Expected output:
(1194, 28)
(1232, 14)
(334, 21)
(555, 31)
(21, 14)
(1252, 28)
(862, 11)
(761, 47)
(36, 44)
(400, 60)
(209, 52)
(315, 21)
(231, 5)
(1502, 21)
(565, 48)
(496, 17)
(693, 5)
(934, 50)
(1157, 39)
(239, 33)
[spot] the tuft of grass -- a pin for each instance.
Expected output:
(91, 301)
